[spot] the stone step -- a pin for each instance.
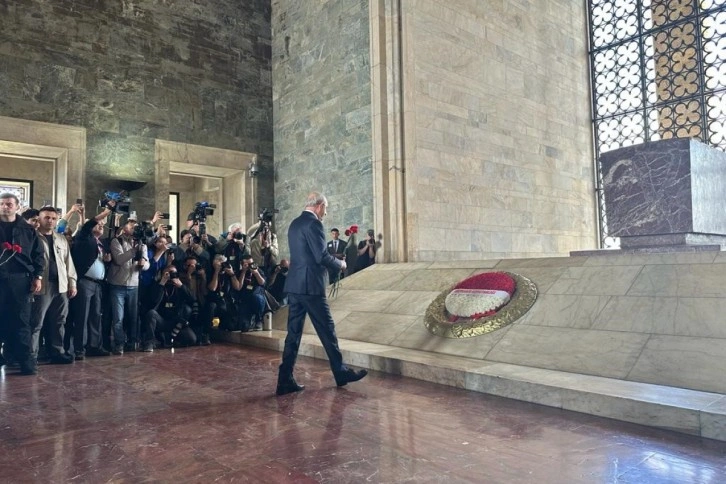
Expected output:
(677, 409)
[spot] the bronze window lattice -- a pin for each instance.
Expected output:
(658, 71)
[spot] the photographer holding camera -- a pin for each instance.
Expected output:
(234, 246)
(191, 246)
(128, 258)
(220, 301)
(276, 282)
(197, 224)
(170, 313)
(194, 278)
(366, 251)
(159, 257)
(263, 243)
(251, 298)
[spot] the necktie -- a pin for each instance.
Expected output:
(335, 246)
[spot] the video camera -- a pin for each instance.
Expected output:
(122, 199)
(266, 215)
(143, 231)
(201, 211)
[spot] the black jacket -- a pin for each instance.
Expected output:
(85, 248)
(31, 258)
(170, 302)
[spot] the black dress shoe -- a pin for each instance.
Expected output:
(61, 359)
(97, 352)
(29, 369)
(288, 386)
(349, 376)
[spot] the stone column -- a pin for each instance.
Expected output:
(389, 147)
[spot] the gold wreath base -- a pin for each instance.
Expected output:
(436, 318)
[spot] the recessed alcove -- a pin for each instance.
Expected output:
(64, 147)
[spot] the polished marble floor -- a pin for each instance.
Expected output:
(209, 415)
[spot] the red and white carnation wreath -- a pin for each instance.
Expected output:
(479, 296)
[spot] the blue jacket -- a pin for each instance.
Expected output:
(309, 257)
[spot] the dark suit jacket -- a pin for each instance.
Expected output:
(341, 248)
(309, 257)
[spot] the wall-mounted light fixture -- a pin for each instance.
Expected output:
(254, 170)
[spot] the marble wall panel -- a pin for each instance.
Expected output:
(652, 414)
(373, 328)
(417, 337)
(597, 281)
(602, 353)
(412, 303)
(544, 262)
(687, 280)
(543, 277)
(686, 362)
(464, 264)
(677, 316)
(713, 420)
(401, 267)
(643, 314)
(370, 279)
(431, 279)
(565, 311)
(366, 301)
(616, 259)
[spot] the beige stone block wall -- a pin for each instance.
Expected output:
(497, 125)
(39, 172)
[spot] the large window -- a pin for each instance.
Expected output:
(658, 70)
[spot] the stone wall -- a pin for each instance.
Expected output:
(132, 72)
(322, 121)
(497, 116)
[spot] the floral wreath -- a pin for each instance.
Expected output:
(480, 304)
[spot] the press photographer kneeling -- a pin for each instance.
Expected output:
(172, 306)
(251, 296)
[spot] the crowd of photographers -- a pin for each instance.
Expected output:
(114, 283)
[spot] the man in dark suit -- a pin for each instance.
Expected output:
(336, 248)
(305, 286)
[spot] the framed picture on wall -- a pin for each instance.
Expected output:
(23, 189)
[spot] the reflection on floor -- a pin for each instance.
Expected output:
(206, 414)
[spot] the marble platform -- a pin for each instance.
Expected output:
(635, 337)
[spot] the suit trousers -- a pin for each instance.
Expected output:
(86, 316)
(317, 307)
(50, 311)
(15, 323)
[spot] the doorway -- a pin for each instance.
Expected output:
(224, 178)
(192, 189)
